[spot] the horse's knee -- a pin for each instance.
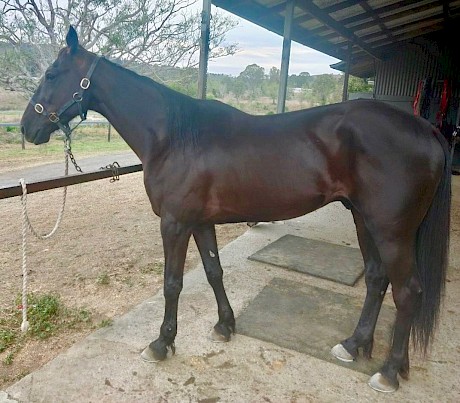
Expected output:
(375, 278)
(406, 297)
(214, 275)
(172, 289)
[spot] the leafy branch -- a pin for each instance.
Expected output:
(138, 33)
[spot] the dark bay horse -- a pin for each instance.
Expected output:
(207, 163)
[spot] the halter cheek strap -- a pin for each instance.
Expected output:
(77, 98)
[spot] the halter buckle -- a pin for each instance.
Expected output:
(53, 117)
(77, 97)
(39, 108)
(84, 83)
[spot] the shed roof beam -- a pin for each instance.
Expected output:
(326, 19)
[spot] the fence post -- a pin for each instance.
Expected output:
(23, 141)
(108, 133)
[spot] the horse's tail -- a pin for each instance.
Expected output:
(432, 256)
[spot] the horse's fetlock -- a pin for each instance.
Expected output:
(226, 315)
(368, 348)
(168, 332)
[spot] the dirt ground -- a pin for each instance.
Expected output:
(106, 257)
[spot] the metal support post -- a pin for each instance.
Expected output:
(285, 56)
(204, 48)
(347, 74)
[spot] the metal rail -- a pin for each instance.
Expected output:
(61, 181)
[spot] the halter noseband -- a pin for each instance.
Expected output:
(77, 98)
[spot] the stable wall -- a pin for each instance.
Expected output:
(397, 78)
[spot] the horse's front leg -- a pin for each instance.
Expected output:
(205, 238)
(175, 236)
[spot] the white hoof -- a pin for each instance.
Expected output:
(339, 352)
(379, 383)
(217, 337)
(148, 356)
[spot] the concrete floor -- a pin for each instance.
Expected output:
(106, 367)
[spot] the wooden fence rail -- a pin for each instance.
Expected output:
(61, 181)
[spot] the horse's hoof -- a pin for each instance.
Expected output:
(339, 352)
(216, 337)
(381, 384)
(148, 355)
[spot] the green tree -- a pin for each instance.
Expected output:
(299, 81)
(252, 77)
(356, 84)
(325, 89)
(270, 87)
(138, 33)
(274, 74)
(238, 88)
(218, 85)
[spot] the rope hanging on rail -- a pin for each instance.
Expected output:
(27, 225)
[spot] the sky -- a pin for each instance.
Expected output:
(260, 46)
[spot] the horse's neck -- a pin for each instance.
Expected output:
(135, 109)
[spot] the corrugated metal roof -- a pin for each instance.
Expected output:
(374, 28)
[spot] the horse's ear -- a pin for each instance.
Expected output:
(72, 39)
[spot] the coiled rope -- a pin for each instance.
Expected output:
(27, 226)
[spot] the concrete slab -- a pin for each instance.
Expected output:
(4, 398)
(322, 259)
(106, 367)
(310, 320)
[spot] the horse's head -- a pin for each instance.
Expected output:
(63, 92)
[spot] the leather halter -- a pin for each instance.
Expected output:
(77, 98)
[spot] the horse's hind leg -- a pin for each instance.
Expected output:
(175, 241)
(377, 283)
(205, 238)
(398, 260)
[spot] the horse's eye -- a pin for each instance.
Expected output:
(50, 76)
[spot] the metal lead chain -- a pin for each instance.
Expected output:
(114, 168)
(68, 150)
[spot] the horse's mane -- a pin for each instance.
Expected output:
(182, 112)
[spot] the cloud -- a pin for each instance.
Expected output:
(302, 59)
(260, 46)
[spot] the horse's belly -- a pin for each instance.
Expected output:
(269, 204)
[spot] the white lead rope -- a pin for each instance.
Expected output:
(26, 225)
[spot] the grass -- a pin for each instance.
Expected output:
(86, 141)
(103, 279)
(156, 268)
(47, 316)
(105, 323)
